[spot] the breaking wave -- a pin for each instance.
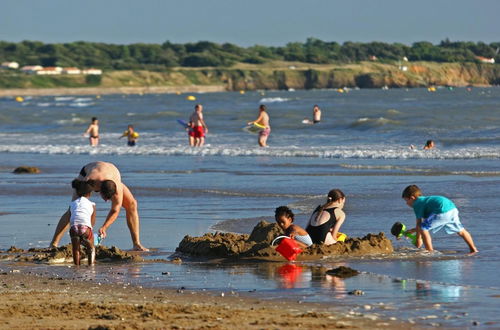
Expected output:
(178, 148)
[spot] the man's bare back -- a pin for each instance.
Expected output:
(100, 171)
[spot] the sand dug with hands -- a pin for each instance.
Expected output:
(64, 254)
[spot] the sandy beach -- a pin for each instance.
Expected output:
(110, 90)
(31, 300)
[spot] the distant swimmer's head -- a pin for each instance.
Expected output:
(429, 144)
(284, 217)
(262, 107)
(108, 189)
(130, 127)
(198, 107)
(82, 188)
(94, 120)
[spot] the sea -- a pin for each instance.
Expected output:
(362, 146)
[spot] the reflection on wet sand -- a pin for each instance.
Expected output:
(302, 276)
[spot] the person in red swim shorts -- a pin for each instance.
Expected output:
(198, 127)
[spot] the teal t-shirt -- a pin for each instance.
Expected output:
(424, 206)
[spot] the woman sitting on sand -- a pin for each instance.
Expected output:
(284, 218)
(325, 221)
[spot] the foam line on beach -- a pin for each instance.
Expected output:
(357, 152)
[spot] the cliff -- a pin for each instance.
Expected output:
(276, 75)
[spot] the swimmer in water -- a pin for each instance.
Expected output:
(93, 132)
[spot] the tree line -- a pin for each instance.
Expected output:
(160, 57)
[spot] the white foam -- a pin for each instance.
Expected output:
(175, 146)
(80, 104)
(366, 122)
(84, 99)
(273, 99)
(63, 98)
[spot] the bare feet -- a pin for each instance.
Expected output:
(139, 247)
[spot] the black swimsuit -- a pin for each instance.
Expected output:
(318, 233)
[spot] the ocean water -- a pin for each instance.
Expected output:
(361, 147)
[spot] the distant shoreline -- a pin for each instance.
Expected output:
(110, 90)
(248, 77)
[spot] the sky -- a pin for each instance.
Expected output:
(249, 22)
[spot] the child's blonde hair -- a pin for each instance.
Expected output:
(411, 191)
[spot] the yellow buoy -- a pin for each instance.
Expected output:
(19, 99)
(190, 98)
(242, 92)
(340, 90)
(98, 96)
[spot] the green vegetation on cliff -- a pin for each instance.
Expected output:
(156, 57)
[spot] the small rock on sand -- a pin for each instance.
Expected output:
(26, 170)
(342, 272)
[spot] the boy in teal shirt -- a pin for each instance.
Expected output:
(434, 213)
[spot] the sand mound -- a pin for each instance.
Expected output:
(258, 245)
(64, 254)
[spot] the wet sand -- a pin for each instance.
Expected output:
(33, 301)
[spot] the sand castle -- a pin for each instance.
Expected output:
(257, 245)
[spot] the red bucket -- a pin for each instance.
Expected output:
(288, 248)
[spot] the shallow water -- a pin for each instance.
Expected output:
(360, 147)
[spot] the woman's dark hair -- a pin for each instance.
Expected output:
(82, 188)
(283, 210)
(108, 189)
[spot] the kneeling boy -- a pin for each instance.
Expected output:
(434, 213)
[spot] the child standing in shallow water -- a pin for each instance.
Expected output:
(131, 135)
(93, 132)
(434, 213)
(82, 220)
(284, 218)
